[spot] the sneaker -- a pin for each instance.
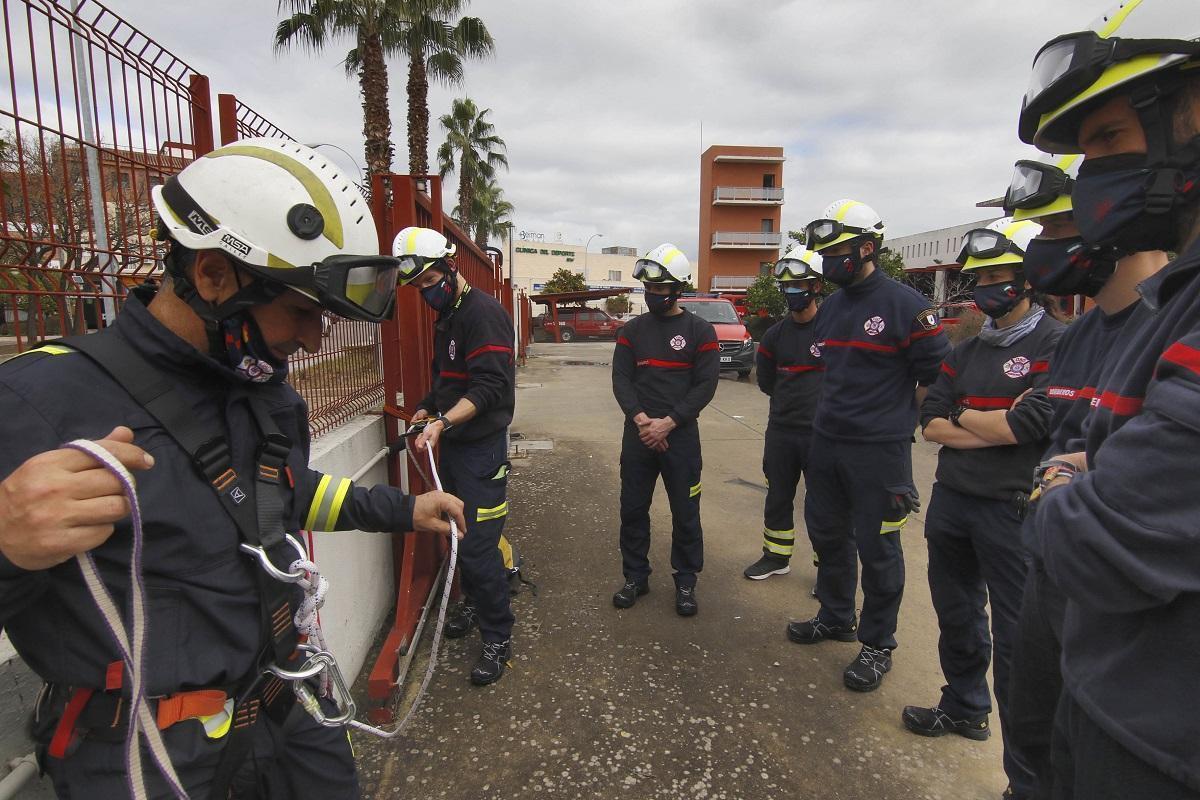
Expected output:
(493, 659)
(767, 566)
(866, 672)
(629, 593)
(811, 631)
(685, 601)
(462, 618)
(936, 722)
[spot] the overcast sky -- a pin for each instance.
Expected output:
(910, 106)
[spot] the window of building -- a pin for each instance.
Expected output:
(614, 274)
(768, 181)
(768, 226)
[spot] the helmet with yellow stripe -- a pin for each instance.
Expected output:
(1041, 188)
(285, 214)
(1131, 42)
(843, 221)
(664, 264)
(419, 249)
(1000, 244)
(799, 264)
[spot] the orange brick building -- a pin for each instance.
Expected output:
(741, 205)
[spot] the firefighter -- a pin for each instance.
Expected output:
(1059, 263)
(468, 411)
(789, 371)
(262, 241)
(1115, 524)
(988, 410)
(665, 370)
(881, 344)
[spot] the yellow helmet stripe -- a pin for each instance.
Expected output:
(844, 209)
(410, 244)
(1118, 18)
(1117, 73)
(671, 256)
(321, 197)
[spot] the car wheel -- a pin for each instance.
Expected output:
(568, 335)
(743, 374)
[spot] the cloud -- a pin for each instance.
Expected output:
(910, 107)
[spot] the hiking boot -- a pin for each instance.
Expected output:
(866, 672)
(629, 593)
(462, 618)
(767, 566)
(685, 601)
(493, 659)
(936, 722)
(811, 631)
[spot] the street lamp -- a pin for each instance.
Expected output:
(314, 145)
(585, 251)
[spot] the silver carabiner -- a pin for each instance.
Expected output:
(319, 661)
(275, 572)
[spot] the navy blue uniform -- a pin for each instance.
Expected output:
(1036, 681)
(789, 370)
(664, 367)
(973, 523)
(203, 608)
(1121, 543)
(473, 358)
(878, 340)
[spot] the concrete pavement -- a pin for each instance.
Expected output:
(638, 704)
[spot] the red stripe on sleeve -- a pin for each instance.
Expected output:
(655, 362)
(802, 368)
(1182, 355)
(766, 352)
(985, 403)
(708, 346)
(488, 348)
(1039, 366)
(1117, 404)
(949, 370)
(462, 376)
(923, 333)
(624, 341)
(880, 348)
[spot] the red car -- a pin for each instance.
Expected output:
(582, 322)
(737, 348)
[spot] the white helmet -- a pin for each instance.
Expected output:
(1043, 187)
(842, 221)
(1128, 42)
(799, 264)
(664, 264)
(1003, 243)
(419, 249)
(286, 214)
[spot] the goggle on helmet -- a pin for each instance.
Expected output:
(1036, 184)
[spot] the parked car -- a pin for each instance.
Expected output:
(582, 322)
(737, 348)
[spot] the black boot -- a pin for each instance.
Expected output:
(493, 659)
(936, 722)
(811, 631)
(462, 618)
(629, 593)
(767, 566)
(685, 601)
(866, 672)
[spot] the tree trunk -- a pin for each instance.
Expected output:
(481, 237)
(377, 120)
(466, 191)
(418, 115)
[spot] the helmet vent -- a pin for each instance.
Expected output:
(305, 221)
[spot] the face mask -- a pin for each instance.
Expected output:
(1111, 203)
(798, 299)
(998, 299)
(247, 352)
(440, 295)
(842, 269)
(660, 304)
(1063, 267)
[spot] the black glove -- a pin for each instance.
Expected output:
(904, 501)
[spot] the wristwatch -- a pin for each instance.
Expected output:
(1049, 471)
(446, 424)
(955, 414)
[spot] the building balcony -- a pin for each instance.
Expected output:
(734, 283)
(747, 196)
(732, 158)
(738, 240)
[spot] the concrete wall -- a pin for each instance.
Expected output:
(361, 593)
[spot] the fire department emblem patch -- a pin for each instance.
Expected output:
(816, 351)
(453, 349)
(678, 343)
(874, 326)
(1017, 367)
(928, 319)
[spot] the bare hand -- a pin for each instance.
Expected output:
(419, 415)
(661, 447)
(63, 502)
(430, 509)
(428, 437)
(1021, 397)
(656, 431)
(1077, 460)
(641, 418)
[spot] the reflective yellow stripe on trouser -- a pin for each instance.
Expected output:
(893, 525)
(506, 552)
(781, 543)
(484, 514)
(327, 504)
(694, 491)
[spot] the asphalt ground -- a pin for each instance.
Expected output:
(641, 703)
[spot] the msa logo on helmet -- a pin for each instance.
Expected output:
(235, 244)
(678, 343)
(199, 222)
(1017, 367)
(874, 326)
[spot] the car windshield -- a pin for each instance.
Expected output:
(721, 312)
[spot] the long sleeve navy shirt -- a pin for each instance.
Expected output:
(984, 377)
(1122, 541)
(666, 366)
(789, 369)
(879, 339)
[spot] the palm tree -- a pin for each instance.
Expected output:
(472, 140)
(418, 29)
(492, 214)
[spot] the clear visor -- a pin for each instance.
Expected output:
(985, 243)
(646, 270)
(1049, 66)
(824, 230)
(412, 266)
(791, 269)
(371, 288)
(1026, 183)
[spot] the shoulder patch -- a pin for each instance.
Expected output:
(928, 319)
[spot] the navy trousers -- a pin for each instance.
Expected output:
(976, 558)
(785, 456)
(679, 467)
(847, 508)
(476, 472)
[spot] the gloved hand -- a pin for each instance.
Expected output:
(904, 501)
